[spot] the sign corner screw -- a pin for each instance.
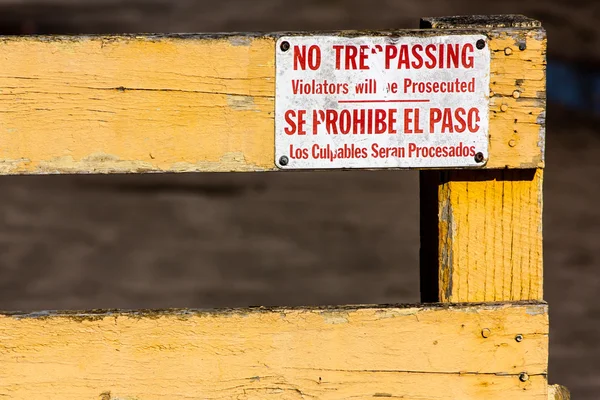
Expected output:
(283, 161)
(479, 157)
(480, 44)
(284, 46)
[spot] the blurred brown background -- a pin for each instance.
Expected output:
(74, 242)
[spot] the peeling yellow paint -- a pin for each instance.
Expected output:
(517, 117)
(149, 105)
(242, 103)
(206, 103)
(484, 236)
(161, 104)
(490, 239)
(421, 353)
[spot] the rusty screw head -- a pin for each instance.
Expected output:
(479, 157)
(480, 44)
(283, 160)
(519, 338)
(523, 377)
(285, 46)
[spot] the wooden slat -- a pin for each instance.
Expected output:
(202, 102)
(327, 353)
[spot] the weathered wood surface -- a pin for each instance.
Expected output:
(203, 102)
(517, 84)
(481, 231)
(482, 235)
(327, 353)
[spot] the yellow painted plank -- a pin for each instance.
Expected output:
(200, 102)
(326, 353)
(131, 104)
(557, 392)
(486, 235)
(518, 101)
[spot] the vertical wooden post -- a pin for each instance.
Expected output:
(481, 230)
(487, 242)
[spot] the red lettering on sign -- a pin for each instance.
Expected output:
(391, 52)
(435, 116)
(338, 55)
(459, 150)
(461, 124)
(430, 64)
(416, 53)
(412, 120)
(453, 55)
(363, 57)
(304, 57)
(467, 56)
(295, 125)
(473, 120)
(361, 121)
(448, 120)
(298, 153)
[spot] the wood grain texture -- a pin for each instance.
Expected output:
(487, 227)
(517, 85)
(518, 100)
(480, 21)
(202, 102)
(325, 353)
(557, 392)
(481, 231)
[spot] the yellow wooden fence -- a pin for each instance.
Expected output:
(197, 103)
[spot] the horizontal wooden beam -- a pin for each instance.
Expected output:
(102, 104)
(436, 351)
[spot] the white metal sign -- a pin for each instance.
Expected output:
(382, 102)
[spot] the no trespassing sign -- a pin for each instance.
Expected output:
(381, 102)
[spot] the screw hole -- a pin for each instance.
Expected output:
(519, 338)
(523, 377)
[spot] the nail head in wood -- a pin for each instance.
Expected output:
(519, 338)
(524, 377)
